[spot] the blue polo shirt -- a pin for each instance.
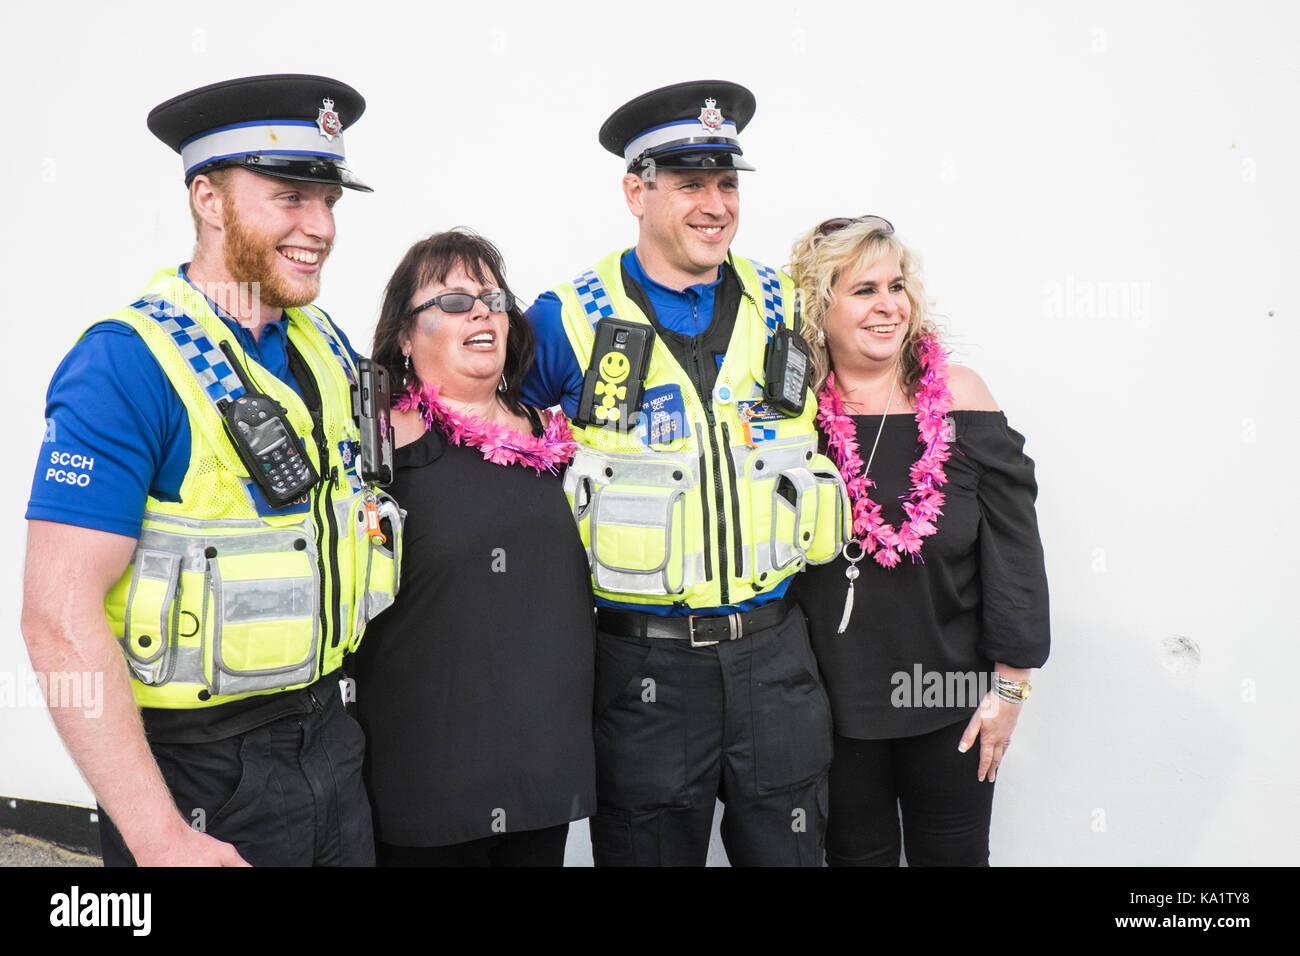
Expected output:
(116, 432)
(556, 378)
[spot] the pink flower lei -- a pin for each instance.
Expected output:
(924, 504)
(500, 444)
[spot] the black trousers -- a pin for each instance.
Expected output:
(544, 847)
(288, 793)
(945, 809)
(678, 728)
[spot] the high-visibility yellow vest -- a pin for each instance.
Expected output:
(714, 505)
(226, 598)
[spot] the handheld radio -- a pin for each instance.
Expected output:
(265, 441)
(786, 368)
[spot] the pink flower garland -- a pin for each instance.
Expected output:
(924, 504)
(500, 444)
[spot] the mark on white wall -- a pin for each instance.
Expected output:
(1180, 655)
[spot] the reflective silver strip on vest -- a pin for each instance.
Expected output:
(593, 297)
(773, 306)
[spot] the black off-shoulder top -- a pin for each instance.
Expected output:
(923, 636)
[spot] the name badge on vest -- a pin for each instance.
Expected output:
(663, 414)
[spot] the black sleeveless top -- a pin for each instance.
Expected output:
(475, 688)
(979, 597)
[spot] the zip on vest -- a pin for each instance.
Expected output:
(327, 493)
(704, 509)
(721, 504)
(737, 527)
(327, 531)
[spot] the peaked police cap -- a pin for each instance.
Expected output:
(288, 125)
(693, 125)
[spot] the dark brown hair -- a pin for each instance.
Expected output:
(432, 260)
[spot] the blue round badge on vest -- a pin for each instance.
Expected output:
(722, 394)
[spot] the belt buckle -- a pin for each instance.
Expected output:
(690, 622)
(733, 623)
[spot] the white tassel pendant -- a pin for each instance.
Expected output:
(851, 572)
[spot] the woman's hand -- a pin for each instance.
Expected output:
(993, 723)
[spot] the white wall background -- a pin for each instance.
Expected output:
(1040, 156)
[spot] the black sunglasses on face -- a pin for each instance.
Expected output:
(879, 224)
(457, 303)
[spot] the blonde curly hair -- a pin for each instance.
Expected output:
(819, 259)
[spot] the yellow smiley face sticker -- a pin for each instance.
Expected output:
(614, 367)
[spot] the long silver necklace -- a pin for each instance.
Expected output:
(851, 572)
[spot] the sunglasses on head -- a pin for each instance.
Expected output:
(878, 224)
(456, 303)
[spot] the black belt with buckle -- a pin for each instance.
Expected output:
(700, 630)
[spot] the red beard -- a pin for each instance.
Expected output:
(250, 257)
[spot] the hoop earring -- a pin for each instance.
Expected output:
(502, 387)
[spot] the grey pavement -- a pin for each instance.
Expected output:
(16, 849)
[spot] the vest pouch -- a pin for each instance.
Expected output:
(638, 537)
(264, 591)
(833, 527)
(379, 563)
(151, 615)
(579, 489)
(633, 512)
(794, 516)
(783, 502)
